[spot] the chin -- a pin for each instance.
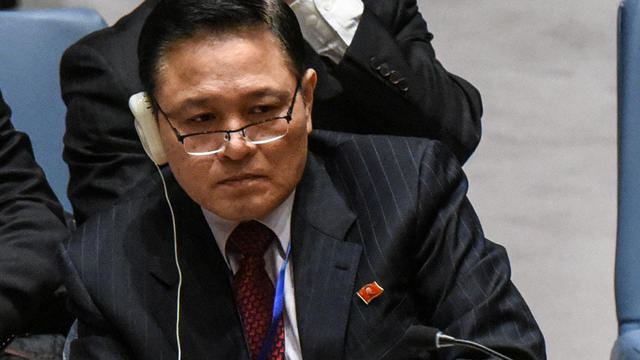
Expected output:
(240, 213)
(244, 208)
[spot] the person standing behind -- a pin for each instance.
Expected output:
(377, 74)
(32, 227)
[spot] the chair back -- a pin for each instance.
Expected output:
(627, 273)
(31, 45)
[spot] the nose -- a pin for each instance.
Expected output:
(237, 147)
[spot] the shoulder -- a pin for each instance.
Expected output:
(117, 247)
(385, 148)
(128, 219)
(404, 164)
(115, 42)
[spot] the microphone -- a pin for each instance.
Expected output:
(427, 338)
(439, 340)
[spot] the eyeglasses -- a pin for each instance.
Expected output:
(213, 141)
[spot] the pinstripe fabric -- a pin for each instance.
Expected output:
(391, 210)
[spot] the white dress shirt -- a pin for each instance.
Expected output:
(279, 221)
(329, 25)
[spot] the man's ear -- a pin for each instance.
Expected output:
(308, 86)
(147, 127)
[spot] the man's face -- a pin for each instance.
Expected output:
(230, 80)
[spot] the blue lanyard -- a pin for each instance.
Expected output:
(278, 303)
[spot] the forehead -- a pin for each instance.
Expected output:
(241, 57)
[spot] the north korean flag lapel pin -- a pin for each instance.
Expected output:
(369, 292)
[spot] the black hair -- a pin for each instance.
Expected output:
(174, 20)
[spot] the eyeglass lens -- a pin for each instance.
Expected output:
(260, 133)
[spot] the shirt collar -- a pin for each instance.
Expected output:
(279, 221)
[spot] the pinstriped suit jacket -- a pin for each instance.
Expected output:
(368, 208)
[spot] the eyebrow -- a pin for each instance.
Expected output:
(200, 101)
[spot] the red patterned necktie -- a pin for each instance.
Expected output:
(253, 289)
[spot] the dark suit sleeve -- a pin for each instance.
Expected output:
(478, 300)
(95, 337)
(391, 71)
(31, 227)
(102, 150)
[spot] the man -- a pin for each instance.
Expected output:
(361, 237)
(374, 62)
(31, 228)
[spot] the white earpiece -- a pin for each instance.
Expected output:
(147, 127)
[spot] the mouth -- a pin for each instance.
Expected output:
(240, 180)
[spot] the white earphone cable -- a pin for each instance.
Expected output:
(175, 251)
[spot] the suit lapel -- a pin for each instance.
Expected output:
(324, 274)
(208, 313)
(324, 263)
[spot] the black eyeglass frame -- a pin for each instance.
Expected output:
(288, 116)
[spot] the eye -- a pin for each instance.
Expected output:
(201, 118)
(262, 109)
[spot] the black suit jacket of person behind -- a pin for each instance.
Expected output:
(368, 208)
(31, 227)
(389, 72)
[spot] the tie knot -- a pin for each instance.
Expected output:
(251, 238)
